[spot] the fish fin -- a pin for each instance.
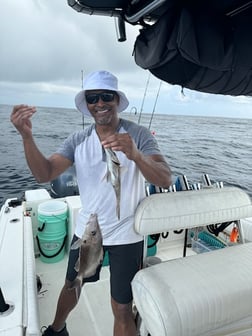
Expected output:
(90, 273)
(116, 161)
(106, 177)
(77, 244)
(101, 256)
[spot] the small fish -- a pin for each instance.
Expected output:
(113, 175)
(90, 253)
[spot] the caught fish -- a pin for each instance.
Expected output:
(113, 175)
(90, 253)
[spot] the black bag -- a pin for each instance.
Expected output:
(199, 50)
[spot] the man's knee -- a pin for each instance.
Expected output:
(121, 311)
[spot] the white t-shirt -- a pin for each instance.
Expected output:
(96, 193)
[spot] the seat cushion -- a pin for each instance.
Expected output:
(206, 294)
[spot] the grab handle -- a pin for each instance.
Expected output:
(40, 229)
(53, 255)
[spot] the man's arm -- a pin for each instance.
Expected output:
(43, 169)
(155, 169)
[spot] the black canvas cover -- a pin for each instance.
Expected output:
(199, 49)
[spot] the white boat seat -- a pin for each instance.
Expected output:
(247, 229)
(203, 295)
(193, 208)
(208, 294)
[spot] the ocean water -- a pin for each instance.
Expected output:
(192, 145)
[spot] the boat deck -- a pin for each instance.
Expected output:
(93, 315)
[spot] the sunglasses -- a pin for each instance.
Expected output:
(106, 97)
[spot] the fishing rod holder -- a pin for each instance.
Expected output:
(5, 308)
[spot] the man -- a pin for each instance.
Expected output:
(140, 160)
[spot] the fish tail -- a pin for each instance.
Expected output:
(118, 201)
(118, 210)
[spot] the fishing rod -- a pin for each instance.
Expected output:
(141, 110)
(82, 89)
(154, 107)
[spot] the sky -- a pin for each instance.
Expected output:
(46, 45)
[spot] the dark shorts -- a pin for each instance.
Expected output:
(124, 262)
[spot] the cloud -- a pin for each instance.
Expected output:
(50, 42)
(45, 45)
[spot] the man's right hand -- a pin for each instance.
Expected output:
(21, 119)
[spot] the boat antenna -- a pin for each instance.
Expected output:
(141, 110)
(82, 89)
(154, 107)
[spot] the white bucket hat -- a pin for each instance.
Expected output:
(100, 80)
